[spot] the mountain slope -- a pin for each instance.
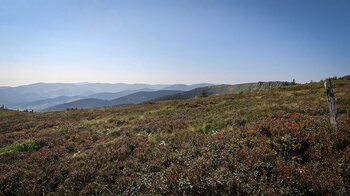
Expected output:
(40, 91)
(183, 87)
(134, 98)
(225, 89)
(20, 96)
(140, 97)
(46, 103)
(110, 96)
(273, 142)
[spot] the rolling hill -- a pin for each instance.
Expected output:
(110, 96)
(271, 142)
(140, 97)
(43, 95)
(134, 98)
(40, 105)
(43, 103)
(183, 87)
(225, 89)
(40, 91)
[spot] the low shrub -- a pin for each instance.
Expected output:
(22, 146)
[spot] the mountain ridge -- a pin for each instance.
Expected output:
(268, 142)
(137, 97)
(226, 89)
(19, 95)
(133, 98)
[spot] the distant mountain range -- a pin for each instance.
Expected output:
(39, 91)
(143, 96)
(40, 96)
(46, 103)
(134, 98)
(58, 97)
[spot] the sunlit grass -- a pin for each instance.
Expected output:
(20, 146)
(275, 142)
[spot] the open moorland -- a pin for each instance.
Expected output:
(273, 142)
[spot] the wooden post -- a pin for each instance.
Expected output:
(331, 103)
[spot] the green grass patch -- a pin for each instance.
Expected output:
(24, 146)
(205, 128)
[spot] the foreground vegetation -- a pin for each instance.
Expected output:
(269, 142)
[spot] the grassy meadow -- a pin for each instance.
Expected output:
(274, 142)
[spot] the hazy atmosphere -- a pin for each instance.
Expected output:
(175, 97)
(167, 42)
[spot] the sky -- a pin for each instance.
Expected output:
(173, 41)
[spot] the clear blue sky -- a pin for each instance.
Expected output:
(173, 41)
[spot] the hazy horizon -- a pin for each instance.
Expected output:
(107, 83)
(172, 42)
(180, 83)
(253, 81)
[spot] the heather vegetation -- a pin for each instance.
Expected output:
(19, 147)
(274, 142)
